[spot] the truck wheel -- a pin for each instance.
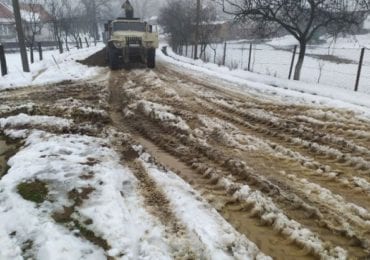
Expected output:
(150, 59)
(113, 60)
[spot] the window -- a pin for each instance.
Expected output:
(5, 29)
(129, 26)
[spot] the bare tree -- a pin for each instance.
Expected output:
(56, 11)
(144, 8)
(32, 20)
(178, 19)
(300, 18)
(72, 21)
(93, 10)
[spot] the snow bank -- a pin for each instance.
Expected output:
(73, 162)
(50, 159)
(22, 120)
(54, 68)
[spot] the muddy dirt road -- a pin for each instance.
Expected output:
(306, 168)
(294, 179)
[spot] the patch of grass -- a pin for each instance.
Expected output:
(90, 236)
(79, 197)
(63, 216)
(11, 148)
(35, 191)
(27, 249)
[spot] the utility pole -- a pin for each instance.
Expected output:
(95, 23)
(21, 39)
(197, 31)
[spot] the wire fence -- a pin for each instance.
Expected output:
(340, 67)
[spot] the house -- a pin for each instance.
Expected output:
(7, 26)
(37, 23)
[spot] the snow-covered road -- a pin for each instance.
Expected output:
(173, 163)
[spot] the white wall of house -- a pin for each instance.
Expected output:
(7, 31)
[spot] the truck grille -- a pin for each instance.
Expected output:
(133, 40)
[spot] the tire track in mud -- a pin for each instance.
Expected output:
(276, 124)
(218, 197)
(245, 177)
(170, 141)
(155, 200)
(323, 170)
(328, 159)
(342, 162)
(339, 122)
(348, 191)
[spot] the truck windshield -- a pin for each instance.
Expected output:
(131, 26)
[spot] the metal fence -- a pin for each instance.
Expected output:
(347, 68)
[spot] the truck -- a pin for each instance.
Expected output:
(129, 40)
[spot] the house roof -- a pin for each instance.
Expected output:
(37, 9)
(6, 14)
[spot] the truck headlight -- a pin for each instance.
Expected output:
(119, 45)
(149, 44)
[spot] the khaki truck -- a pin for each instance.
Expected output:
(130, 40)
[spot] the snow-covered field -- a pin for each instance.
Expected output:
(273, 58)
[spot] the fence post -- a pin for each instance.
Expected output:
(79, 39)
(60, 45)
(224, 57)
(40, 51)
(186, 49)
(164, 50)
(250, 56)
(192, 50)
(4, 68)
(87, 43)
(359, 69)
(32, 59)
(292, 63)
(67, 47)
